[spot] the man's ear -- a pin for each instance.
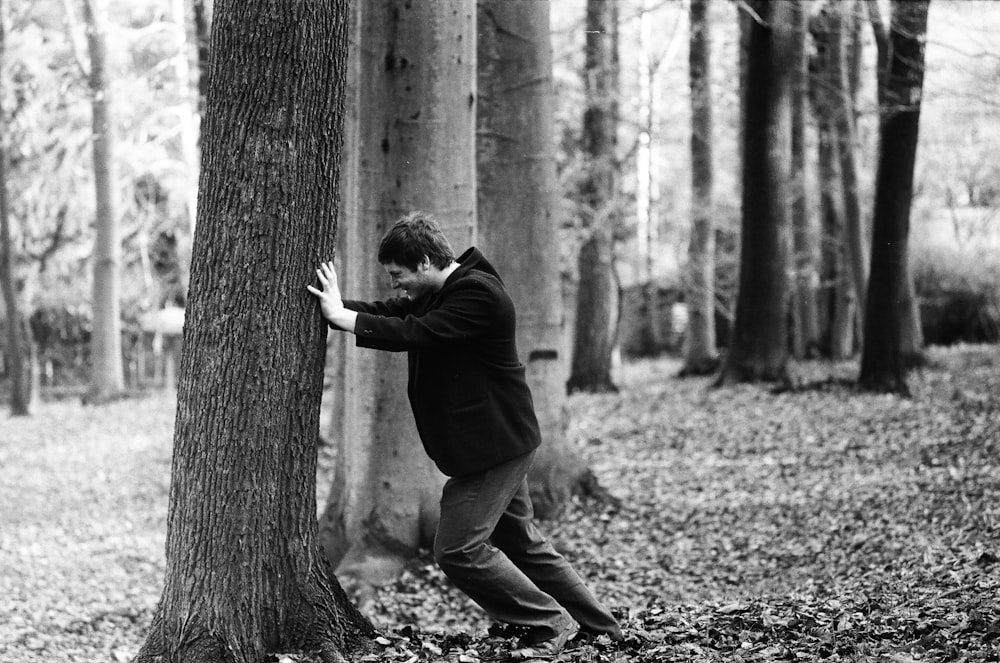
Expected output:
(425, 264)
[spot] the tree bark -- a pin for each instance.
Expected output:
(759, 349)
(596, 319)
(245, 573)
(107, 378)
(883, 366)
(837, 292)
(912, 336)
(805, 231)
(700, 357)
(17, 350)
(844, 124)
(416, 151)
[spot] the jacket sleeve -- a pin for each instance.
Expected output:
(467, 312)
(397, 307)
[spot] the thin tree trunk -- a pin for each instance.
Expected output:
(805, 312)
(844, 31)
(188, 114)
(838, 294)
(700, 357)
(202, 10)
(416, 151)
(759, 349)
(245, 573)
(17, 350)
(593, 338)
(883, 366)
(107, 378)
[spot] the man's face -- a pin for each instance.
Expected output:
(412, 283)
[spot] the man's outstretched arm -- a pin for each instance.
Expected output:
(330, 301)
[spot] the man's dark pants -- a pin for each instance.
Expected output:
(489, 547)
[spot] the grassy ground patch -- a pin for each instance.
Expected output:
(818, 524)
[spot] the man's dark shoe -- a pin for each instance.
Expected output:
(546, 648)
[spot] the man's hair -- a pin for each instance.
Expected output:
(411, 238)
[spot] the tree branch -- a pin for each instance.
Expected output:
(73, 29)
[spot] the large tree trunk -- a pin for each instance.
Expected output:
(700, 356)
(417, 123)
(596, 316)
(107, 379)
(515, 151)
(245, 573)
(805, 230)
(883, 365)
(759, 349)
(17, 350)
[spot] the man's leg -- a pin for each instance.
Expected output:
(470, 509)
(518, 537)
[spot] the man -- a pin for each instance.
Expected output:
(475, 417)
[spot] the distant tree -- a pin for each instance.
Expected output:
(515, 151)
(202, 10)
(245, 575)
(17, 349)
(700, 355)
(107, 378)
(838, 201)
(805, 231)
(759, 348)
(846, 133)
(416, 151)
(187, 111)
(596, 318)
(911, 330)
(883, 365)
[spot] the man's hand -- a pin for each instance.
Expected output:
(330, 301)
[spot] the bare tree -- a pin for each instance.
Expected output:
(17, 350)
(515, 149)
(596, 318)
(805, 230)
(107, 378)
(883, 365)
(416, 150)
(700, 355)
(759, 348)
(245, 572)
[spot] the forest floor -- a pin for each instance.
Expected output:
(814, 524)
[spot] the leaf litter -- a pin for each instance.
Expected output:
(820, 523)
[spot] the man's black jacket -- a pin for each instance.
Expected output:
(467, 388)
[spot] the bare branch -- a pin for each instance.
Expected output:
(73, 29)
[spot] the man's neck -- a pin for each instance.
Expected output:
(440, 276)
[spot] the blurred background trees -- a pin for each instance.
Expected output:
(649, 199)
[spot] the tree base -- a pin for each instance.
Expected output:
(700, 367)
(591, 386)
(885, 384)
(732, 374)
(323, 623)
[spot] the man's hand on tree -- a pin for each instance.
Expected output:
(330, 301)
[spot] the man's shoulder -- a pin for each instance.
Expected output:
(476, 278)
